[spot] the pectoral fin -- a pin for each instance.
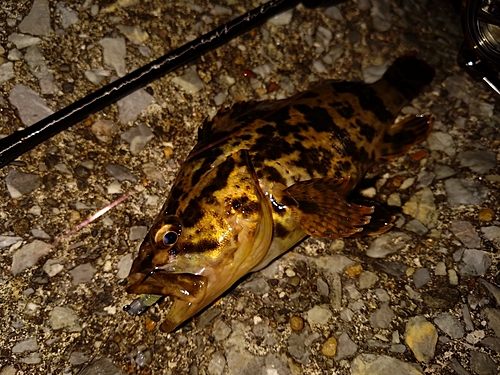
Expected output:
(322, 210)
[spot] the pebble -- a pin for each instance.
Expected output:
(332, 264)
(38, 233)
(421, 206)
(282, 19)
(120, 172)
(6, 72)
(216, 364)
(22, 41)
(460, 191)
(396, 269)
(138, 137)
(15, 55)
(7, 241)
(381, 15)
(474, 262)
(367, 279)
(96, 76)
(37, 22)
(346, 348)
(104, 366)
(482, 364)
(382, 317)
(64, 318)
(28, 255)
(318, 315)
(114, 51)
(374, 73)
(394, 200)
(322, 287)
(31, 107)
(124, 265)
(375, 364)
(220, 330)
(21, 183)
(440, 141)
(115, 187)
(104, 130)
(82, 274)
(329, 348)
(486, 215)
(78, 358)
(52, 267)
(68, 16)
(32, 359)
(190, 81)
(134, 33)
(421, 277)
(466, 233)
(387, 243)
(417, 227)
(421, 337)
(257, 286)
(137, 232)
(219, 10)
(492, 234)
(296, 323)
(449, 325)
(28, 345)
(479, 161)
(131, 106)
(443, 171)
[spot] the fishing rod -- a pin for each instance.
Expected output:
(21, 141)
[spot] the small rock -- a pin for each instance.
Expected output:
(104, 130)
(137, 233)
(78, 358)
(6, 72)
(474, 262)
(486, 215)
(439, 141)
(220, 330)
(382, 317)
(367, 279)
(421, 337)
(421, 206)
(421, 277)
(396, 269)
(31, 107)
(190, 81)
(52, 267)
(28, 345)
(482, 364)
(346, 347)
(388, 243)
(22, 41)
(102, 366)
(68, 16)
(461, 191)
(374, 73)
(7, 241)
(37, 22)
(322, 287)
(466, 233)
(479, 161)
(449, 325)
(28, 255)
(329, 348)
(394, 200)
(219, 10)
(318, 315)
(131, 106)
(114, 51)
(296, 323)
(64, 318)
(82, 274)
(138, 137)
(282, 19)
(134, 33)
(32, 359)
(257, 286)
(124, 266)
(417, 227)
(381, 15)
(374, 364)
(492, 234)
(20, 183)
(216, 364)
(120, 172)
(443, 171)
(96, 76)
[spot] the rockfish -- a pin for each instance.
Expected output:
(264, 175)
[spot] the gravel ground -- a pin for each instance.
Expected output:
(420, 299)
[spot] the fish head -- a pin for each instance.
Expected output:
(220, 230)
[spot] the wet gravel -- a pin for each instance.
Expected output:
(423, 298)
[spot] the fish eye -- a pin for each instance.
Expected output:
(170, 238)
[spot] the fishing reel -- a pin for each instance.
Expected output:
(480, 52)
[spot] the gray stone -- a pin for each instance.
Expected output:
(114, 51)
(137, 232)
(443, 171)
(96, 75)
(64, 318)
(458, 368)
(216, 364)
(153, 174)
(104, 130)
(297, 348)
(346, 348)
(421, 277)
(492, 234)
(28, 255)
(190, 81)
(322, 287)
(282, 19)
(474, 262)
(458, 87)
(381, 15)
(334, 54)
(120, 172)
(131, 106)
(208, 316)
(421, 206)
(374, 73)
(32, 359)
(239, 360)
(78, 358)
(335, 263)
(257, 286)
(102, 366)
(375, 364)
(396, 269)
(31, 107)
(124, 266)
(440, 141)
(367, 279)
(382, 317)
(493, 289)
(220, 330)
(22, 41)
(20, 183)
(6, 241)
(460, 191)
(82, 274)
(68, 16)
(493, 318)
(218, 10)
(318, 315)
(28, 345)
(482, 364)
(6, 72)
(37, 22)
(134, 33)
(449, 325)
(466, 233)
(492, 343)
(388, 243)
(479, 161)
(417, 227)
(138, 137)
(40, 70)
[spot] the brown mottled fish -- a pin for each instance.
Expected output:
(266, 174)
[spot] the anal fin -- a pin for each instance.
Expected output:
(322, 210)
(403, 134)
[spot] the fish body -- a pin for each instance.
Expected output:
(264, 175)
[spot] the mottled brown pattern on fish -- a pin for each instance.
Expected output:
(263, 175)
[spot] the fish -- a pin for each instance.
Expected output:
(264, 175)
